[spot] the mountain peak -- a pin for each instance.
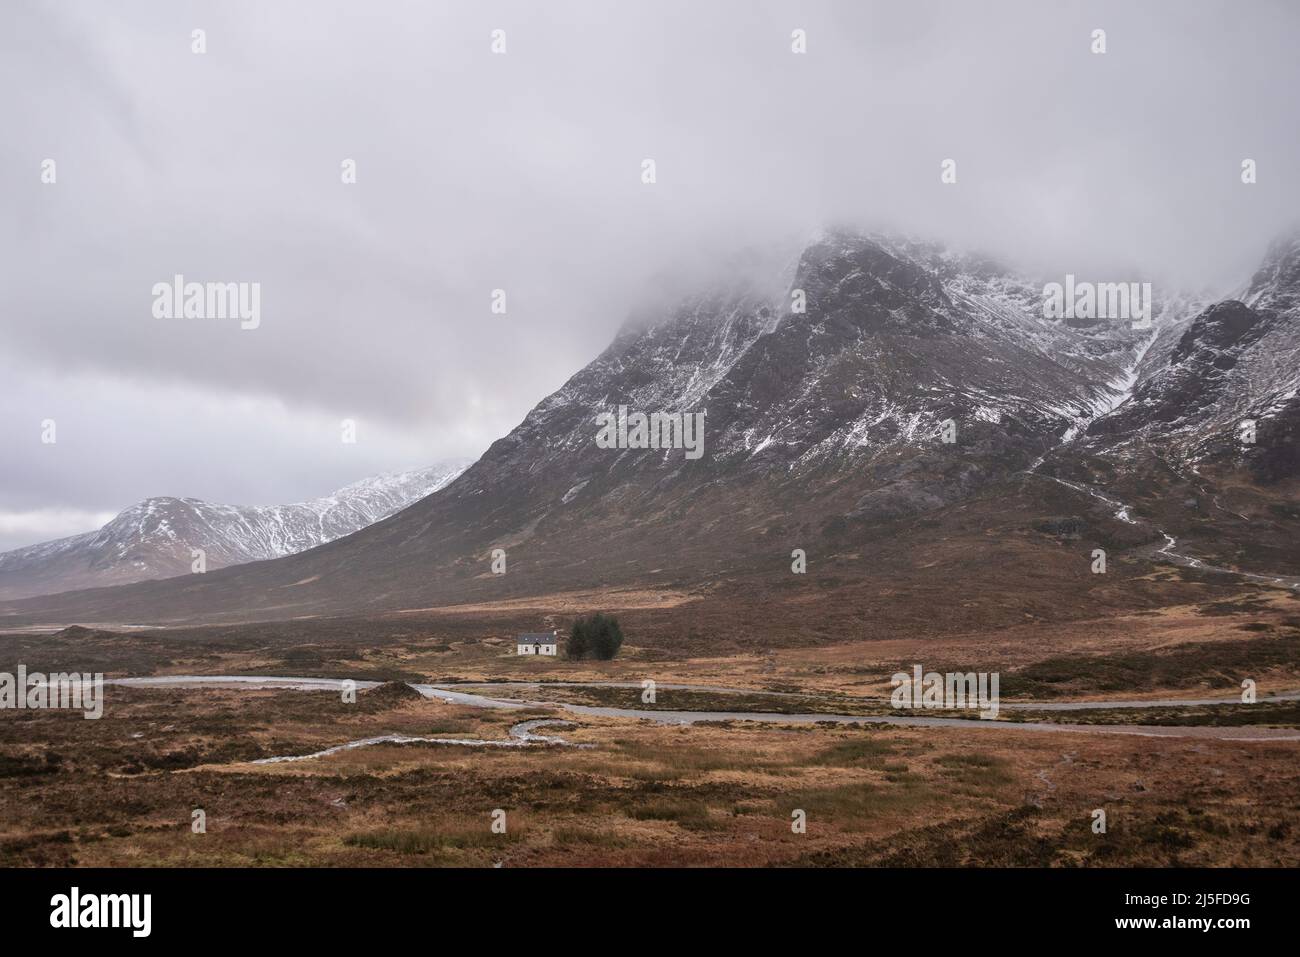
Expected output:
(913, 378)
(853, 277)
(154, 537)
(1275, 287)
(1219, 328)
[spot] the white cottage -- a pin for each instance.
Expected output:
(538, 643)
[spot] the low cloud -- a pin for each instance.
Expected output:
(521, 172)
(43, 524)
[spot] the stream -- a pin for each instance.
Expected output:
(521, 736)
(1125, 384)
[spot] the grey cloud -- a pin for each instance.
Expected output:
(521, 172)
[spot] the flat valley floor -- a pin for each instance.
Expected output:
(1179, 784)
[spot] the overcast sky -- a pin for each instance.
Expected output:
(522, 171)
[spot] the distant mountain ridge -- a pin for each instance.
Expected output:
(153, 538)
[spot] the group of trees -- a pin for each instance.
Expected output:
(597, 636)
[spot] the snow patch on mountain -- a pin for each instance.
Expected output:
(154, 538)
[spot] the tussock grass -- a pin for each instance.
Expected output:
(668, 810)
(432, 841)
(1210, 664)
(661, 762)
(852, 807)
(863, 751)
(584, 837)
(981, 770)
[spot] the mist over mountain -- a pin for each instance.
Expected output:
(909, 381)
(377, 292)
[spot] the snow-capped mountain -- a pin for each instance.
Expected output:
(1228, 387)
(824, 428)
(154, 538)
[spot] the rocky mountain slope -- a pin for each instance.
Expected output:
(1229, 390)
(825, 430)
(154, 538)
